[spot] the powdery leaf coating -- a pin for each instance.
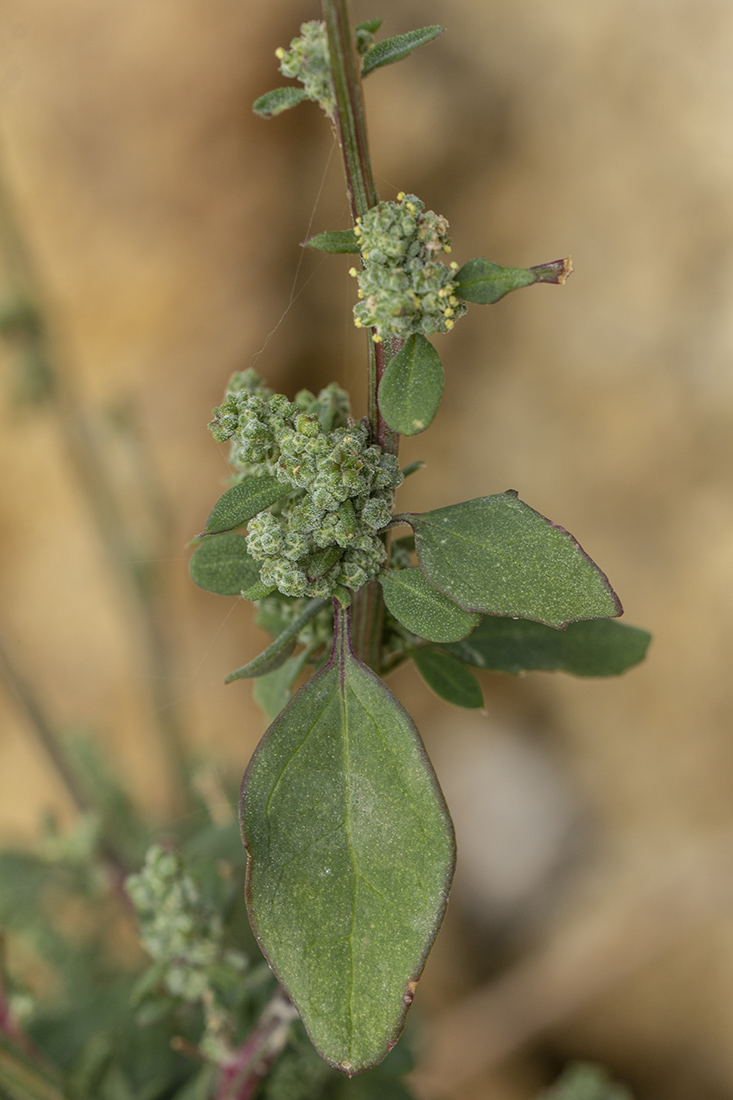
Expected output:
(497, 555)
(411, 387)
(351, 854)
(422, 609)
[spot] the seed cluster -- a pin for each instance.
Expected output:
(307, 60)
(322, 537)
(403, 287)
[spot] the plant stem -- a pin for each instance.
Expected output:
(350, 123)
(241, 1076)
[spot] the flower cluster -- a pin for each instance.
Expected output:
(322, 537)
(403, 287)
(307, 60)
(177, 927)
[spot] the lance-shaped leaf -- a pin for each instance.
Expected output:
(422, 609)
(243, 501)
(222, 565)
(394, 49)
(411, 387)
(599, 647)
(448, 677)
(336, 241)
(351, 854)
(497, 555)
(278, 653)
(278, 100)
(485, 282)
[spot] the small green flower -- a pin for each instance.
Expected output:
(403, 287)
(307, 60)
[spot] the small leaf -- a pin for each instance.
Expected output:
(599, 647)
(277, 653)
(497, 555)
(272, 690)
(335, 241)
(258, 591)
(394, 49)
(422, 609)
(243, 501)
(446, 676)
(278, 100)
(222, 565)
(351, 855)
(411, 387)
(485, 282)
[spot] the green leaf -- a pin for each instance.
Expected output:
(485, 282)
(277, 653)
(411, 387)
(243, 501)
(446, 676)
(278, 100)
(422, 609)
(351, 854)
(272, 690)
(335, 241)
(497, 555)
(599, 647)
(394, 49)
(257, 591)
(222, 565)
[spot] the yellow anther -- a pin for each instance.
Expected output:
(447, 248)
(411, 207)
(453, 300)
(453, 265)
(376, 339)
(360, 292)
(400, 196)
(279, 53)
(353, 272)
(444, 292)
(358, 323)
(448, 312)
(357, 230)
(365, 255)
(449, 325)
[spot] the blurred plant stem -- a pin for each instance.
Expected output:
(240, 1077)
(133, 558)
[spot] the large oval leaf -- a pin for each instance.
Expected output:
(497, 555)
(599, 647)
(244, 500)
(411, 387)
(222, 565)
(351, 854)
(422, 609)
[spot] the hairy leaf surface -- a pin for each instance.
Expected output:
(497, 555)
(448, 677)
(351, 854)
(336, 241)
(598, 647)
(222, 565)
(422, 609)
(394, 49)
(278, 100)
(243, 501)
(411, 387)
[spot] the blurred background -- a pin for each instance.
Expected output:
(158, 221)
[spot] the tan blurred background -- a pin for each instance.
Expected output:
(592, 914)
